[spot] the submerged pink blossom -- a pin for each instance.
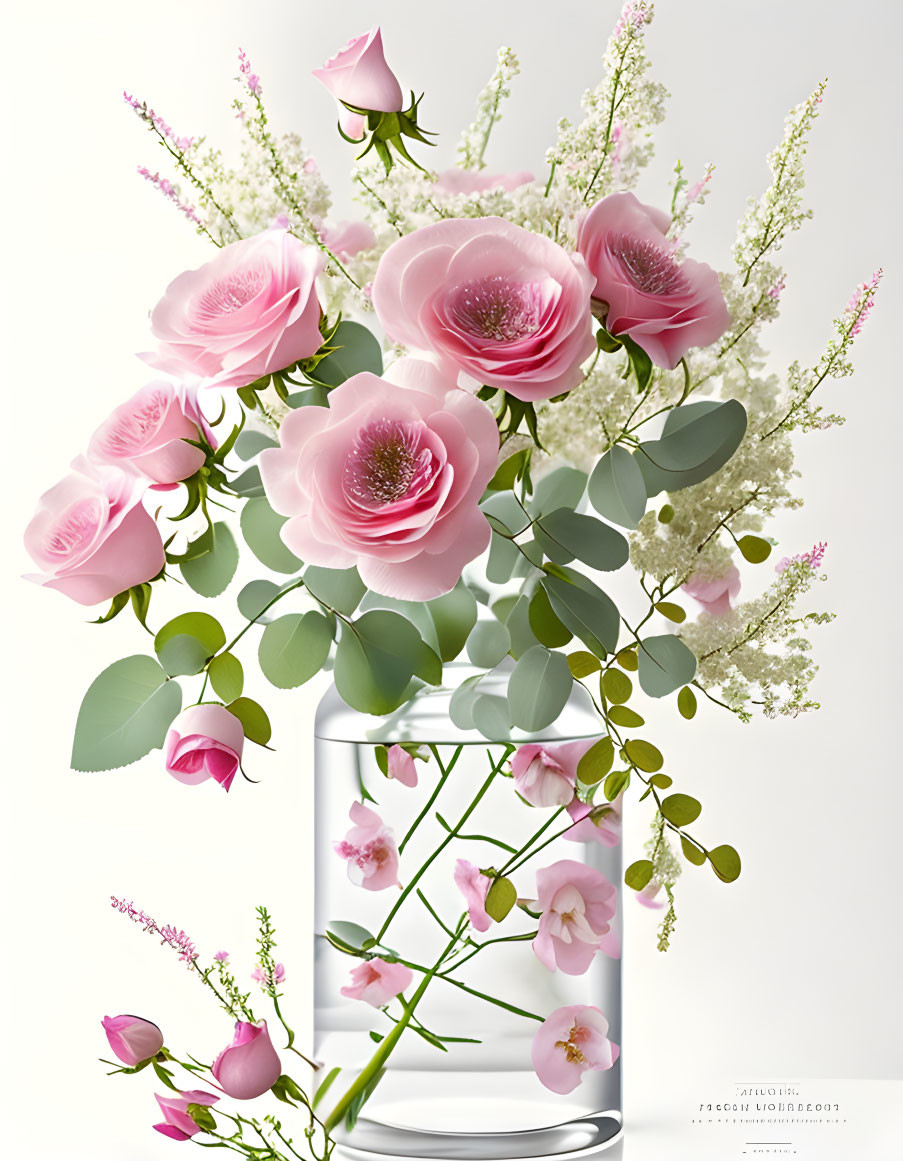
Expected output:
(715, 594)
(377, 982)
(474, 886)
(578, 905)
(369, 850)
(572, 1041)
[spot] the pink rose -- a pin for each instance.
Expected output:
(345, 239)
(358, 75)
(92, 537)
(600, 823)
(132, 1039)
(369, 850)
(578, 904)
(250, 311)
(664, 305)
(147, 433)
(474, 886)
(508, 308)
(387, 478)
(205, 741)
(573, 1040)
(177, 1122)
(471, 181)
(249, 1066)
(377, 982)
(546, 774)
(715, 594)
(401, 766)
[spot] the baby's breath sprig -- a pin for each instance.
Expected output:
(475, 138)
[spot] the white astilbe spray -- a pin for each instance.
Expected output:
(613, 142)
(475, 138)
(666, 870)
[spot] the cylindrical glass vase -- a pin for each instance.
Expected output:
(493, 1016)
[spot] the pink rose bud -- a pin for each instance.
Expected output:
(715, 594)
(508, 308)
(92, 536)
(205, 741)
(346, 239)
(474, 886)
(388, 478)
(250, 311)
(177, 1122)
(664, 305)
(401, 766)
(572, 1041)
(369, 850)
(578, 906)
(377, 982)
(132, 1039)
(249, 1066)
(358, 75)
(147, 434)
(471, 181)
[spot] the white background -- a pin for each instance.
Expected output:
(793, 971)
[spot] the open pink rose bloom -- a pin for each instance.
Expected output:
(507, 308)
(665, 305)
(387, 478)
(578, 907)
(205, 741)
(369, 850)
(572, 1041)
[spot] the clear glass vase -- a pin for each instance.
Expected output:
(454, 1075)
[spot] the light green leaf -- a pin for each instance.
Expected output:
(621, 715)
(681, 809)
(561, 488)
(582, 664)
(692, 852)
(503, 557)
(211, 573)
(460, 707)
(124, 715)
(616, 686)
(686, 703)
(585, 609)
(545, 622)
(644, 755)
(293, 648)
(350, 938)
(226, 676)
(617, 489)
(253, 718)
(250, 442)
(491, 717)
(616, 781)
(184, 644)
(454, 615)
(518, 625)
(538, 688)
(754, 549)
(500, 898)
(256, 595)
(638, 874)
(260, 526)
(488, 643)
(665, 664)
(340, 588)
(725, 863)
(673, 612)
(596, 762)
(375, 660)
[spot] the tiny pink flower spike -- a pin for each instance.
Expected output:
(715, 594)
(377, 982)
(369, 850)
(401, 766)
(572, 1041)
(177, 1122)
(813, 558)
(474, 886)
(132, 1039)
(860, 305)
(578, 905)
(222, 957)
(249, 1066)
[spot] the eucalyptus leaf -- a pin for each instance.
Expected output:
(125, 714)
(359, 350)
(538, 688)
(488, 643)
(545, 622)
(248, 484)
(725, 863)
(254, 597)
(585, 609)
(376, 658)
(503, 557)
(698, 439)
(261, 526)
(561, 488)
(617, 489)
(340, 588)
(686, 703)
(250, 442)
(596, 762)
(692, 852)
(644, 755)
(253, 718)
(681, 809)
(491, 716)
(616, 686)
(454, 615)
(208, 631)
(564, 534)
(665, 664)
(226, 676)
(460, 706)
(500, 898)
(639, 874)
(293, 648)
(211, 573)
(518, 625)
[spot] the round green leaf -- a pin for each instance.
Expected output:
(596, 762)
(681, 809)
(673, 612)
(182, 655)
(582, 664)
(665, 514)
(491, 716)
(124, 715)
(661, 781)
(561, 488)
(616, 686)
(725, 863)
(293, 648)
(376, 658)
(500, 898)
(665, 664)
(565, 534)
(253, 718)
(644, 755)
(616, 488)
(208, 631)
(616, 781)
(250, 442)
(261, 526)
(488, 643)
(627, 659)
(697, 440)
(359, 350)
(754, 549)
(454, 615)
(226, 676)
(254, 597)
(686, 703)
(340, 588)
(538, 688)
(621, 715)
(585, 609)
(691, 851)
(350, 938)
(460, 707)
(544, 621)
(211, 573)
(503, 557)
(518, 625)
(638, 874)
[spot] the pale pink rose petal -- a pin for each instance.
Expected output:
(546, 774)
(349, 238)
(174, 1106)
(401, 766)
(132, 1039)
(600, 823)
(715, 594)
(358, 75)
(377, 982)
(249, 1066)
(474, 886)
(147, 434)
(205, 741)
(470, 181)
(570, 1042)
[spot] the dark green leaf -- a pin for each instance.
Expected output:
(681, 809)
(375, 660)
(260, 526)
(503, 557)
(725, 863)
(510, 471)
(293, 648)
(124, 715)
(673, 612)
(640, 363)
(253, 718)
(500, 898)
(211, 573)
(698, 439)
(638, 874)
(454, 615)
(617, 489)
(359, 351)
(248, 484)
(665, 664)
(620, 715)
(754, 549)
(564, 534)
(585, 609)
(226, 676)
(340, 588)
(665, 514)
(545, 623)
(202, 1117)
(256, 595)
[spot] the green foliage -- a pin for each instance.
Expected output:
(500, 898)
(616, 781)
(254, 597)
(511, 471)
(503, 558)
(584, 608)
(754, 549)
(627, 659)
(665, 514)
(185, 643)
(561, 488)
(339, 588)
(725, 863)
(202, 1117)
(697, 440)
(226, 676)
(260, 526)
(686, 703)
(294, 647)
(453, 615)
(488, 643)
(565, 534)
(638, 874)
(518, 625)
(377, 656)
(357, 349)
(582, 664)
(673, 612)
(680, 809)
(621, 715)
(691, 851)
(253, 718)
(596, 762)
(251, 443)
(538, 688)
(124, 714)
(644, 755)
(617, 489)
(324, 1085)
(616, 686)
(545, 623)
(665, 664)
(350, 938)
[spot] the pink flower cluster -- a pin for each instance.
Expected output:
(813, 558)
(173, 937)
(862, 301)
(169, 191)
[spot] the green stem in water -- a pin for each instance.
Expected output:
(444, 771)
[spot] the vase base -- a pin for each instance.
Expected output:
(577, 1138)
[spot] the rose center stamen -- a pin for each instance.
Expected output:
(382, 464)
(497, 308)
(652, 269)
(232, 293)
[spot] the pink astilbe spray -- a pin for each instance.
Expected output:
(251, 79)
(173, 937)
(171, 192)
(154, 121)
(633, 15)
(862, 301)
(812, 558)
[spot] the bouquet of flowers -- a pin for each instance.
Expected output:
(442, 427)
